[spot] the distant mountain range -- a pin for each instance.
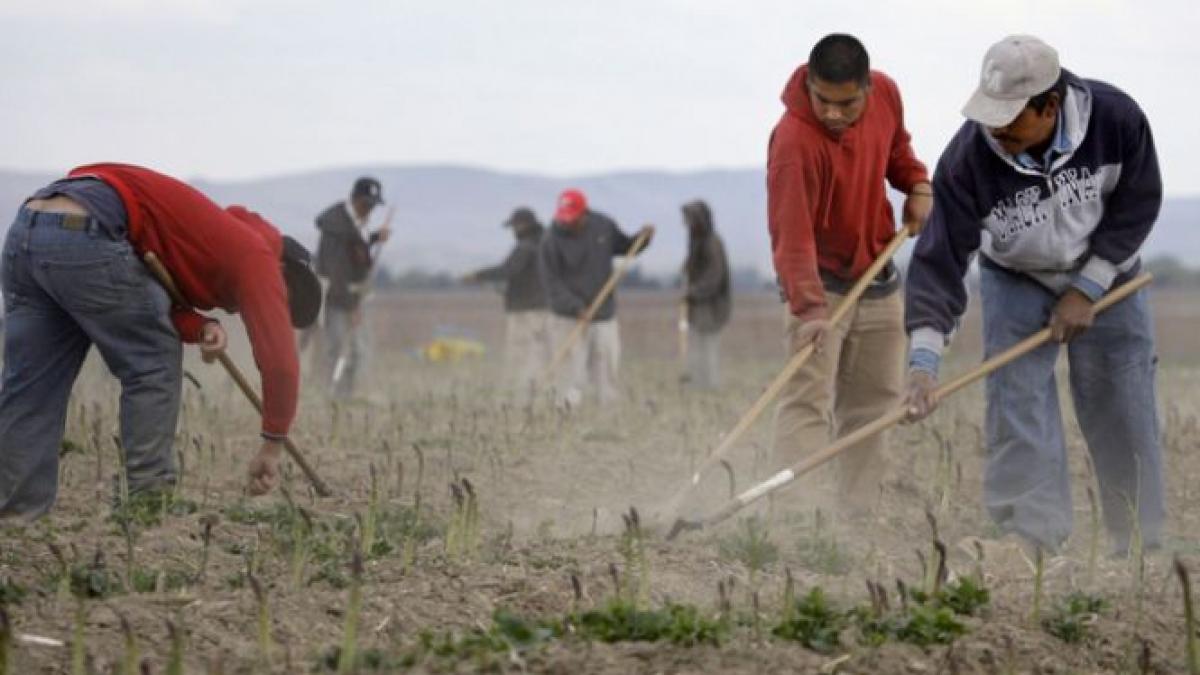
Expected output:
(448, 217)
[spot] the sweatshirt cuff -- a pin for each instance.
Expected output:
(1099, 272)
(923, 359)
(927, 338)
(272, 436)
(1091, 289)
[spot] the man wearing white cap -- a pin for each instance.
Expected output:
(1054, 181)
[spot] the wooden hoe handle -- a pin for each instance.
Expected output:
(892, 418)
(164, 277)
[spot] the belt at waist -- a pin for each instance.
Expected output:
(67, 221)
(884, 284)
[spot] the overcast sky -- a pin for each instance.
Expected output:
(227, 89)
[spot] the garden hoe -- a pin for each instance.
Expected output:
(891, 419)
(586, 319)
(164, 278)
(793, 366)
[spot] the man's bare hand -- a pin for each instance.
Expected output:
(920, 398)
(815, 331)
(212, 341)
(263, 474)
(917, 206)
(1072, 315)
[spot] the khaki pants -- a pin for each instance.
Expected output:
(703, 359)
(592, 362)
(858, 377)
(527, 349)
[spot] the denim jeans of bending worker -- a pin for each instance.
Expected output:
(65, 289)
(1111, 368)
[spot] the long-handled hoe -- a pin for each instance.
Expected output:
(164, 278)
(793, 366)
(586, 319)
(891, 419)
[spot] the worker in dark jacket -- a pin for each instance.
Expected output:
(1054, 181)
(344, 258)
(576, 261)
(706, 294)
(527, 345)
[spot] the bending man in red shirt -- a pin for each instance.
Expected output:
(73, 277)
(841, 137)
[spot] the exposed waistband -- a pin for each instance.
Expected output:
(67, 221)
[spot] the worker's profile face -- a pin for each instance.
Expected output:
(837, 105)
(1030, 128)
(362, 206)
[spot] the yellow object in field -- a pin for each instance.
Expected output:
(452, 350)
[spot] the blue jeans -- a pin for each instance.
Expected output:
(67, 288)
(1027, 483)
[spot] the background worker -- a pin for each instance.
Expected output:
(344, 258)
(575, 260)
(527, 346)
(707, 295)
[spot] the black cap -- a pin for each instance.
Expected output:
(521, 217)
(303, 288)
(369, 188)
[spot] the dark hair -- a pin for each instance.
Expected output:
(1038, 103)
(839, 58)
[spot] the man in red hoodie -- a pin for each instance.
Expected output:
(841, 137)
(73, 277)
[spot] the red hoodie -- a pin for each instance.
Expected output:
(827, 205)
(218, 258)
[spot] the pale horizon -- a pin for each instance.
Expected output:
(237, 90)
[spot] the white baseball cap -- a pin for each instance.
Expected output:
(1015, 70)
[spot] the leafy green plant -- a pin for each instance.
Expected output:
(1072, 619)
(622, 621)
(148, 508)
(813, 622)
(928, 624)
(964, 596)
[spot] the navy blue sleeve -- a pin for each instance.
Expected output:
(1133, 205)
(935, 294)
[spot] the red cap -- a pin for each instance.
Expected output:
(571, 205)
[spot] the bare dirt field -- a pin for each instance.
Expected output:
(470, 533)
